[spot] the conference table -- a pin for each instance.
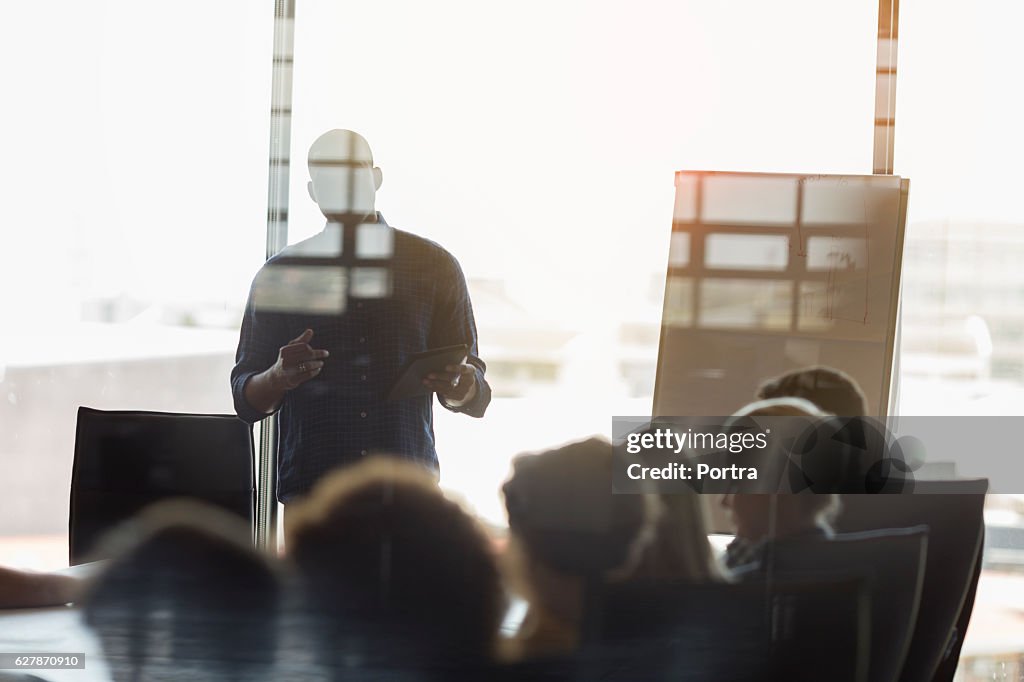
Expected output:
(61, 630)
(53, 630)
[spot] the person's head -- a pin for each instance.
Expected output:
(756, 516)
(185, 587)
(831, 390)
(382, 550)
(566, 525)
(343, 179)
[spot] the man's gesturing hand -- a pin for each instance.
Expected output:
(298, 362)
(455, 383)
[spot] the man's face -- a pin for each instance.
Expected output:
(345, 190)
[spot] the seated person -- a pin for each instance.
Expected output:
(680, 549)
(829, 389)
(567, 528)
(26, 589)
(762, 521)
(185, 594)
(837, 393)
(397, 575)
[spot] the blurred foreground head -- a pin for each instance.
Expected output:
(388, 558)
(185, 593)
(567, 533)
(562, 511)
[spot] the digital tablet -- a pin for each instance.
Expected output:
(410, 380)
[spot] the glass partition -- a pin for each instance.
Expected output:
(538, 143)
(135, 183)
(958, 138)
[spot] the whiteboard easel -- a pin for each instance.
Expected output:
(772, 272)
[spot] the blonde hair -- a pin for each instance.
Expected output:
(680, 549)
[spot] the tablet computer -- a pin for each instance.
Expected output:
(410, 380)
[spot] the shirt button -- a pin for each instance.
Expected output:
(363, 377)
(362, 339)
(363, 415)
(363, 453)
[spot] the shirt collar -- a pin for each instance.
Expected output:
(380, 221)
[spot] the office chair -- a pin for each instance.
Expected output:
(954, 513)
(892, 563)
(126, 460)
(806, 630)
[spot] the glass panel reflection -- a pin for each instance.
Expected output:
(766, 201)
(679, 250)
(300, 289)
(679, 302)
(745, 304)
(746, 252)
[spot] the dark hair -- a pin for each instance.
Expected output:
(185, 574)
(561, 506)
(388, 558)
(830, 389)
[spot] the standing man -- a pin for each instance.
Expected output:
(331, 321)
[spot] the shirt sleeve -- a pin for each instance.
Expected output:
(257, 350)
(452, 324)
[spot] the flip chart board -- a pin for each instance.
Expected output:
(773, 272)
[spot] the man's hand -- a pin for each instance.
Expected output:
(297, 362)
(457, 383)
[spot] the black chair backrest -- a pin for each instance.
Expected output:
(951, 658)
(954, 513)
(892, 564)
(809, 630)
(126, 460)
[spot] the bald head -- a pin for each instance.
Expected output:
(343, 179)
(339, 146)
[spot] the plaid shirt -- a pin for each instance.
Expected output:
(341, 415)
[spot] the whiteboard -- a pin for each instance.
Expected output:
(773, 272)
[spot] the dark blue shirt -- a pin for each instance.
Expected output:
(342, 415)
